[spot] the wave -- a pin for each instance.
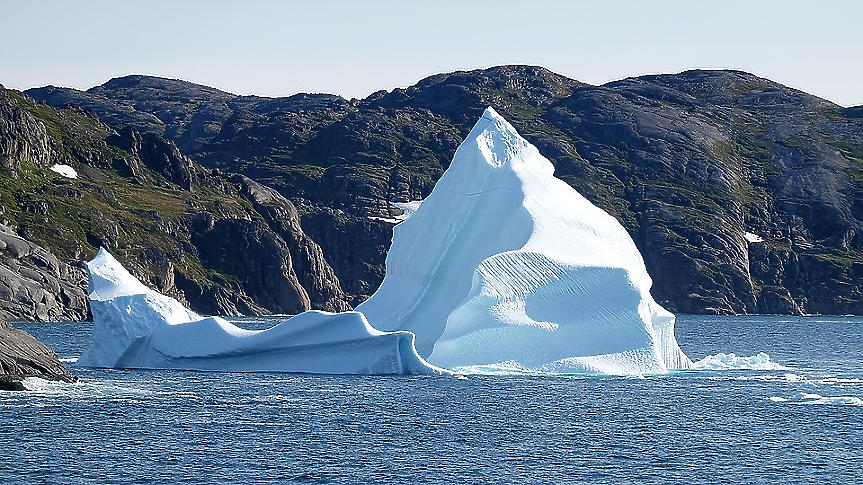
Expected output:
(817, 399)
(761, 361)
(85, 389)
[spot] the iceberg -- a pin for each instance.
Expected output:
(503, 268)
(504, 264)
(137, 327)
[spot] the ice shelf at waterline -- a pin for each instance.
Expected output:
(136, 327)
(505, 264)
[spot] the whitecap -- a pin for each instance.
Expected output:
(761, 361)
(809, 398)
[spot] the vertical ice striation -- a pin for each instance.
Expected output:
(505, 264)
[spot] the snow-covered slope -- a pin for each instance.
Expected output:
(136, 327)
(505, 264)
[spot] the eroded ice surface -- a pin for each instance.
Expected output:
(505, 264)
(136, 327)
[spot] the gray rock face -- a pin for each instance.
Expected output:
(21, 355)
(359, 262)
(134, 195)
(21, 136)
(162, 156)
(35, 284)
(257, 260)
(313, 271)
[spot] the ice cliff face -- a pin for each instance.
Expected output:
(505, 264)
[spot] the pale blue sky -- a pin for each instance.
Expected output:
(353, 48)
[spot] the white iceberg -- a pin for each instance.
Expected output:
(505, 264)
(503, 268)
(136, 327)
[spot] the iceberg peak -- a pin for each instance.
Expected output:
(499, 144)
(109, 279)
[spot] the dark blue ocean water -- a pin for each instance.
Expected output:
(799, 419)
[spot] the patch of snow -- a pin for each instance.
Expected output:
(64, 170)
(753, 238)
(408, 207)
(391, 220)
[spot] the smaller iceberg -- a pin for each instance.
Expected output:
(137, 327)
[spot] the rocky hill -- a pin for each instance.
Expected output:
(224, 244)
(744, 195)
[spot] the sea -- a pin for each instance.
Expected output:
(773, 400)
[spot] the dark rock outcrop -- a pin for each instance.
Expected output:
(256, 259)
(307, 260)
(21, 356)
(160, 155)
(358, 261)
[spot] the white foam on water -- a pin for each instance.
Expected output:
(84, 389)
(761, 361)
(509, 368)
(817, 399)
(841, 380)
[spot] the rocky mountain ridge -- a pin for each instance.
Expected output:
(743, 195)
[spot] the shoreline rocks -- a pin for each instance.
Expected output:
(22, 356)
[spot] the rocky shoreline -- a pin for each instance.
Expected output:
(22, 356)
